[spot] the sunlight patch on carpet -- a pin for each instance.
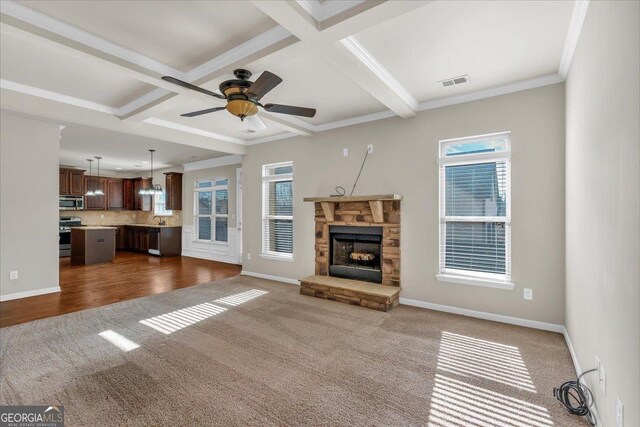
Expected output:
(467, 356)
(123, 343)
(180, 319)
(458, 404)
(241, 298)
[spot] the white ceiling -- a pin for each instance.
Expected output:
(494, 42)
(180, 34)
(98, 63)
(122, 151)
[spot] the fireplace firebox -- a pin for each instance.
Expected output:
(355, 253)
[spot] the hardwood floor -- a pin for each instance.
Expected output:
(129, 276)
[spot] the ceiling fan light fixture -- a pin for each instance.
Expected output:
(242, 108)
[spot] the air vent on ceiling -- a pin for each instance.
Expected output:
(454, 81)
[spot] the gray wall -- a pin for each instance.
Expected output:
(188, 182)
(603, 208)
(28, 204)
(404, 162)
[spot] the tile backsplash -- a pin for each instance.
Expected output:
(122, 217)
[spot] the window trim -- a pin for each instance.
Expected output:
(467, 277)
(213, 214)
(266, 178)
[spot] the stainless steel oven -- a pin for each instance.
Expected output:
(64, 228)
(71, 203)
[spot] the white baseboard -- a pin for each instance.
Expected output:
(484, 315)
(576, 365)
(270, 277)
(27, 294)
(228, 259)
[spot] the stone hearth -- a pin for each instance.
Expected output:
(381, 215)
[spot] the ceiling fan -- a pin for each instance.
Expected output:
(243, 97)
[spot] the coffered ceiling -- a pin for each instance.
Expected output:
(99, 63)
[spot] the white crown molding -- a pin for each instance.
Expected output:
(355, 120)
(327, 9)
(489, 93)
(30, 16)
(54, 96)
(359, 51)
(484, 315)
(213, 163)
(196, 131)
(271, 138)
(573, 35)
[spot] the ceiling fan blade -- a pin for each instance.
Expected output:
(192, 87)
(290, 109)
(201, 112)
(255, 123)
(264, 84)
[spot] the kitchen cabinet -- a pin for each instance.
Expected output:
(92, 245)
(128, 194)
(161, 241)
(141, 203)
(115, 194)
(173, 191)
(96, 202)
(71, 182)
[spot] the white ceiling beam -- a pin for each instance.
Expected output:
(66, 110)
(349, 57)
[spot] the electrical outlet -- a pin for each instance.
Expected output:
(13, 275)
(602, 378)
(248, 256)
(102, 216)
(619, 413)
(370, 148)
(528, 293)
(345, 152)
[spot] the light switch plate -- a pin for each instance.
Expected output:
(345, 152)
(248, 256)
(13, 275)
(528, 293)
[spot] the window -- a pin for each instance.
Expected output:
(475, 210)
(277, 210)
(159, 205)
(211, 201)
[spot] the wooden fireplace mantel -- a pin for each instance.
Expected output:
(375, 203)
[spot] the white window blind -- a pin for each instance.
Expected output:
(277, 210)
(475, 207)
(211, 200)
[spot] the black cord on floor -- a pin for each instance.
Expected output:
(576, 397)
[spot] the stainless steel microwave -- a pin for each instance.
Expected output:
(71, 203)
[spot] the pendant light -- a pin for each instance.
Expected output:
(98, 191)
(90, 192)
(151, 189)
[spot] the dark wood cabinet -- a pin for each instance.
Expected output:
(128, 194)
(173, 191)
(141, 203)
(96, 202)
(162, 241)
(115, 194)
(71, 182)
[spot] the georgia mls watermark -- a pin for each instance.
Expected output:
(32, 416)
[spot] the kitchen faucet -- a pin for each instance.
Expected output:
(162, 221)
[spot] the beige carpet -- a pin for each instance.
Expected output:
(247, 351)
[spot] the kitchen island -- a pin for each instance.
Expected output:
(93, 244)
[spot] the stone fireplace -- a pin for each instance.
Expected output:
(357, 249)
